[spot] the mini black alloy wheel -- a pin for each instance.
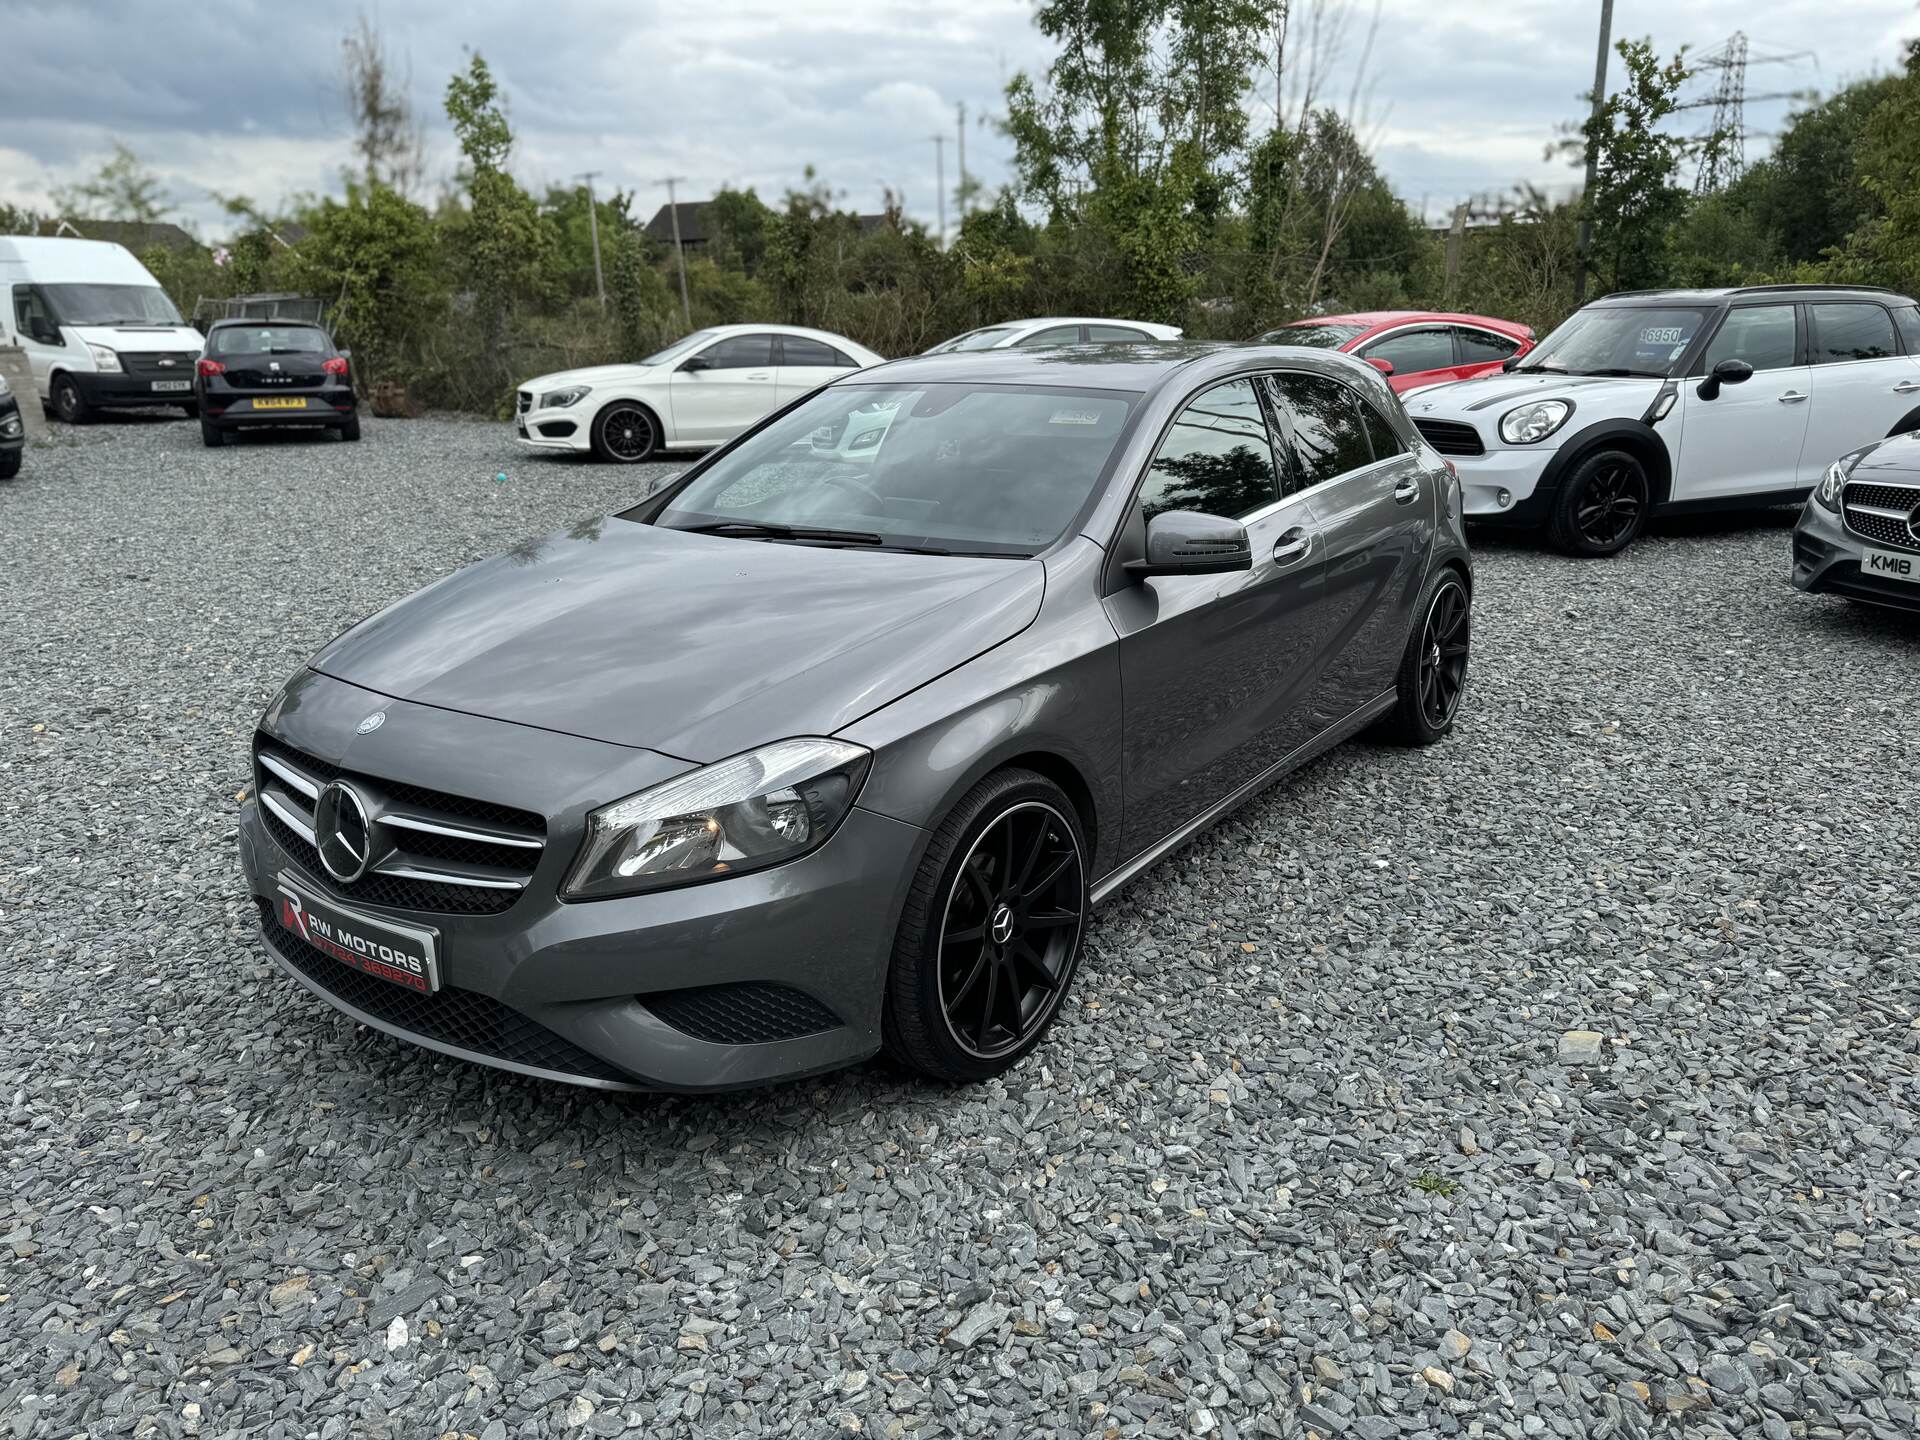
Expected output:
(1011, 930)
(1444, 643)
(1613, 506)
(626, 433)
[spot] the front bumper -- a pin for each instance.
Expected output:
(110, 392)
(1826, 560)
(556, 429)
(640, 992)
(1517, 472)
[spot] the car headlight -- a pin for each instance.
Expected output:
(1830, 486)
(10, 427)
(1528, 423)
(754, 810)
(5, 389)
(105, 360)
(560, 399)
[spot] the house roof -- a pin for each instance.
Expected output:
(136, 235)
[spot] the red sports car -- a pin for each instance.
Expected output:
(1412, 348)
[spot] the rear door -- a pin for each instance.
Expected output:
(1420, 356)
(1217, 669)
(1747, 439)
(806, 364)
(734, 387)
(1863, 386)
(1375, 519)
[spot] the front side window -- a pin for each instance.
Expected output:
(1765, 336)
(1850, 331)
(739, 352)
(963, 468)
(112, 305)
(1412, 351)
(1057, 335)
(1618, 340)
(268, 340)
(1483, 347)
(799, 350)
(1217, 457)
(1386, 444)
(1328, 432)
(30, 310)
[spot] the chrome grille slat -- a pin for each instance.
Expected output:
(438, 853)
(1879, 511)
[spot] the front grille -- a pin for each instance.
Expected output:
(178, 366)
(475, 860)
(1861, 503)
(523, 401)
(1450, 437)
(741, 1014)
(462, 1018)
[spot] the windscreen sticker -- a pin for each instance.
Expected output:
(1075, 417)
(1663, 335)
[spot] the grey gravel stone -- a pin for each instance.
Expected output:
(1680, 809)
(1580, 1047)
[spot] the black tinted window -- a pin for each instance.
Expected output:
(1850, 332)
(268, 340)
(1101, 333)
(1058, 335)
(1329, 437)
(1216, 459)
(1907, 320)
(1762, 335)
(798, 350)
(739, 352)
(1481, 347)
(1413, 351)
(1379, 432)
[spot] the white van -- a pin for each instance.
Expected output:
(98, 330)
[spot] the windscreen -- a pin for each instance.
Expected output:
(956, 468)
(678, 348)
(268, 340)
(1616, 340)
(112, 305)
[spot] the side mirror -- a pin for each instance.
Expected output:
(1385, 367)
(1727, 372)
(696, 362)
(1185, 542)
(46, 334)
(1508, 365)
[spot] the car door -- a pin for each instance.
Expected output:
(722, 388)
(1216, 669)
(1480, 352)
(1746, 440)
(804, 364)
(1373, 510)
(1420, 356)
(1862, 385)
(32, 322)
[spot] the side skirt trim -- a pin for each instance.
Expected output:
(1292, 760)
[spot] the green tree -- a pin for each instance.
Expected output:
(374, 257)
(122, 189)
(1884, 249)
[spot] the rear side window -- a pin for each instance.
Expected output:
(268, 340)
(1385, 443)
(1058, 335)
(1413, 351)
(798, 350)
(1217, 457)
(1326, 430)
(1099, 334)
(1850, 331)
(1762, 335)
(1483, 347)
(1907, 321)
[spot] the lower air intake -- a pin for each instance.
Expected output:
(741, 1014)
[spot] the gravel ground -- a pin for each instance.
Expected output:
(1311, 1154)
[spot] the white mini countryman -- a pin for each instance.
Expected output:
(1660, 401)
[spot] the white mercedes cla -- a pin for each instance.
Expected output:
(1662, 401)
(699, 392)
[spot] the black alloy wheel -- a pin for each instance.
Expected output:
(1445, 639)
(1011, 930)
(625, 433)
(1603, 504)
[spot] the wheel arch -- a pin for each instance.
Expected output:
(1054, 766)
(653, 408)
(1906, 424)
(1645, 443)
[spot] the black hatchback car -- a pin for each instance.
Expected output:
(273, 373)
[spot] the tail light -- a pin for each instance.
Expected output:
(211, 367)
(336, 366)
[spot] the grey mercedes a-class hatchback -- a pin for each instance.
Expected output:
(832, 744)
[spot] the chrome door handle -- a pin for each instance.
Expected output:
(1293, 545)
(1906, 387)
(760, 375)
(1406, 492)
(1792, 397)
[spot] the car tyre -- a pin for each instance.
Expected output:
(991, 932)
(1602, 505)
(1433, 671)
(212, 436)
(68, 403)
(10, 464)
(625, 432)
(351, 430)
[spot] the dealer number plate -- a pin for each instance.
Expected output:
(1891, 565)
(398, 953)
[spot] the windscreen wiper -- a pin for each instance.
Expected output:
(765, 530)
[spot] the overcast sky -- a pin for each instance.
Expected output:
(244, 96)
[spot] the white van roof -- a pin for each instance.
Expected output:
(60, 261)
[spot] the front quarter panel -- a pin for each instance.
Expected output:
(1053, 690)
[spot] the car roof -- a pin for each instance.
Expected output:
(285, 322)
(1753, 294)
(1377, 319)
(779, 330)
(1136, 366)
